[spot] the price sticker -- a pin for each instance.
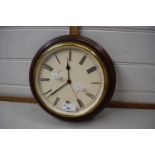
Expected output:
(69, 107)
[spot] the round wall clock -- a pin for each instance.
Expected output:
(72, 77)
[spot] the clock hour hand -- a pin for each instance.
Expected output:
(58, 89)
(68, 70)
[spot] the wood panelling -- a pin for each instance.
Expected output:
(131, 48)
(15, 90)
(135, 77)
(23, 43)
(129, 76)
(134, 96)
(14, 72)
(123, 46)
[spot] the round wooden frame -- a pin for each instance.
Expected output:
(103, 55)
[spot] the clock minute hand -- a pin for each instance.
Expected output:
(58, 89)
(81, 104)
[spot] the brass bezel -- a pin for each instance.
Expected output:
(96, 56)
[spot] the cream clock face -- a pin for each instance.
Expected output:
(70, 79)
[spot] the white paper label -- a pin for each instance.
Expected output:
(69, 107)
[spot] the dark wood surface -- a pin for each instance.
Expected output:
(74, 30)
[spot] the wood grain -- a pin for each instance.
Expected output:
(17, 99)
(74, 30)
(129, 105)
(112, 104)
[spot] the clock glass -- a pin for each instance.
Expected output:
(70, 79)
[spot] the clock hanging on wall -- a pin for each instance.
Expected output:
(72, 77)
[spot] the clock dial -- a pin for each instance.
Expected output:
(72, 78)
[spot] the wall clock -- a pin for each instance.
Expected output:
(72, 77)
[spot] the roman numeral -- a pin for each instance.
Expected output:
(95, 83)
(47, 67)
(81, 104)
(57, 58)
(56, 101)
(47, 92)
(90, 95)
(44, 79)
(70, 55)
(92, 69)
(83, 59)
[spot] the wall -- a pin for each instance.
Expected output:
(18, 115)
(131, 48)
